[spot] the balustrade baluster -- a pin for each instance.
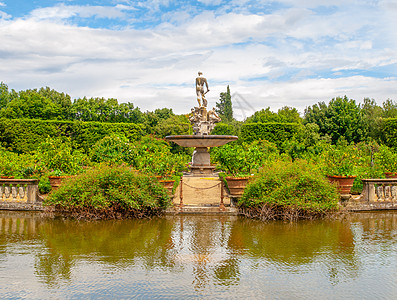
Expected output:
(387, 189)
(380, 193)
(394, 193)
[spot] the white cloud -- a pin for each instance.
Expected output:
(287, 57)
(210, 2)
(67, 11)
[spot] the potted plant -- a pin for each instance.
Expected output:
(56, 177)
(340, 166)
(239, 161)
(386, 158)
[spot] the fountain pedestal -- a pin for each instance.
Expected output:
(201, 163)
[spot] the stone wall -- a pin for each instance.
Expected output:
(20, 194)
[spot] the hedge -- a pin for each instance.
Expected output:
(24, 135)
(273, 132)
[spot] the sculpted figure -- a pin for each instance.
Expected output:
(213, 116)
(200, 81)
(195, 115)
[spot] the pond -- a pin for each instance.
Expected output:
(198, 257)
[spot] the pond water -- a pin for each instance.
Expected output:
(198, 257)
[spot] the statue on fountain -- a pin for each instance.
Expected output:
(203, 121)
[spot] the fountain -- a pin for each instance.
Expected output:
(203, 122)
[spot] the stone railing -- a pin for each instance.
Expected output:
(379, 190)
(20, 194)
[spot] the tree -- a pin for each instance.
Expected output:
(6, 96)
(224, 107)
(31, 105)
(285, 114)
(61, 99)
(372, 118)
(341, 118)
(389, 109)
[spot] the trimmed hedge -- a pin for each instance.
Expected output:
(273, 132)
(24, 135)
(389, 132)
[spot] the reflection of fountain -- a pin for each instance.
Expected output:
(203, 122)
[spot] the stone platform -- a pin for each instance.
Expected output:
(201, 195)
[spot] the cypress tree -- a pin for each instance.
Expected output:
(224, 106)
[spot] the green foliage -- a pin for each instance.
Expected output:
(154, 156)
(104, 187)
(173, 125)
(285, 114)
(306, 144)
(57, 154)
(341, 160)
(389, 131)
(386, 159)
(342, 117)
(17, 165)
(242, 159)
(24, 135)
(296, 185)
(389, 109)
(111, 149)
(151, 119)
(274, 132)
(224, 107)
(223, 129)
(31, 105)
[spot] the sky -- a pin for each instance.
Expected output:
(148, 52)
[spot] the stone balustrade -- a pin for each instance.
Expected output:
(20, 194)
(379, 190)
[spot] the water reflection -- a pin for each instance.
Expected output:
(198, 256)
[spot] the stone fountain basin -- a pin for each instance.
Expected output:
(201, 141)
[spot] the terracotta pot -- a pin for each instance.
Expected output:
(344, 183)
(391, 174)
(56, 181)
(168, 185)
(237, 185)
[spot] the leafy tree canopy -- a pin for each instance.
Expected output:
(342, 117)
(285, 114)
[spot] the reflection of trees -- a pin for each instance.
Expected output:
(115, 242)
(293, 245)
(211, 250)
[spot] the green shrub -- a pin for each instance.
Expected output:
(111, 148)
(223, 129)
(154, 156)
(288, 190)
(17, 165)
(106, 188)
(57, 154)
(273, 132)
(386, 159)
(243, 159)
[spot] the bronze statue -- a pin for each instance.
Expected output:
(200, 81)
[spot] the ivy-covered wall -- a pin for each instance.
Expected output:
(24, 135)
